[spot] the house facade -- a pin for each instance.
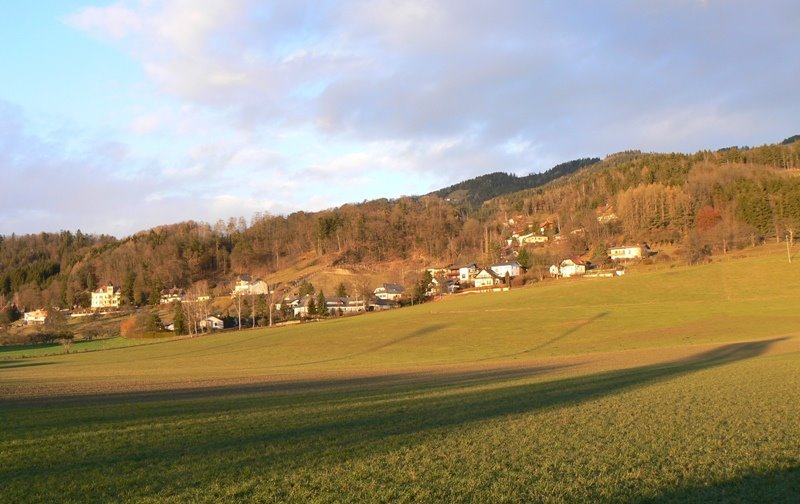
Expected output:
(487, 278)
(245, 286)
(437, 271)
(334, 305)
(389, 292)
(345, 305)
(212, 323)
(259, 287)
(242, 285)
(466, 274)
(35, 317)
(572, 267)
(171, 295)
(532, 238)
(513, 269)
(106, 297)
(625, 253)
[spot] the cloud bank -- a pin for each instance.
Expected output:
(282, 105)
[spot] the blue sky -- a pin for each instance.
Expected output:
(119, 116)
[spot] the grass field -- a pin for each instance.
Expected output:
(668, 385)
(43, 350)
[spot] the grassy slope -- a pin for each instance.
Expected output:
(679, 384)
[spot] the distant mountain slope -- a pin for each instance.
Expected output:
(479, 189)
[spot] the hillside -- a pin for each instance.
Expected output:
(706, 202)
(474, 192)
(695, 204)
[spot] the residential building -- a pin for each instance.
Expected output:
(487, 278)
(438, 271)
(572, 267)
(242, 285)
(212, 323)
(626, 252)
(446, 286)
(532, 238)
(466, 274)
(345, 305)
(35, 317)
(389, 292)
(245, 285)
(513, 269)
(171, 295)
(382, 304)
(106, 297)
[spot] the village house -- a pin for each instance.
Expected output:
(466, 274)
(548, 226)
(246, 286)
(106, 297)
(513, 269)
(627, 252)
(382, 304)
(171, 295)
(389, 292)
(345, 305)
(532, 238)
(334, 305)
(572, 267)
(259, 287)
(448, 286)
(242, 285)
(436, 271)
(35, 317)
(487, 278)
(298, 305)
(212, 323)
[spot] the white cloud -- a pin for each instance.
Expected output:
(385, 97)
(115, 21)
(144, 124)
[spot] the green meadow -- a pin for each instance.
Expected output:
(666, 385)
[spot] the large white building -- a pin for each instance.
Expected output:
(245, 285)
(106, 297)
(625, 253)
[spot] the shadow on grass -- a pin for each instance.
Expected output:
(414, 334)
(323, 389)
(22, 348)
(8, 364)
(225, 428)
(549, 342)
(773, 486)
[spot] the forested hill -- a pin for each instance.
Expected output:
(706, 202)
(479, 189)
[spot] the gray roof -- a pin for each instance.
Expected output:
(393, 288)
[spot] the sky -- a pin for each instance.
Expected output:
(116, 117)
